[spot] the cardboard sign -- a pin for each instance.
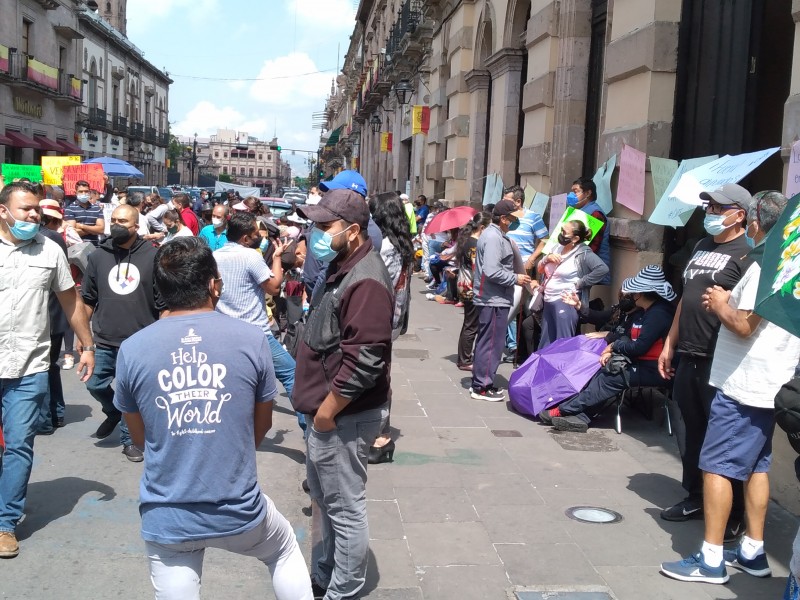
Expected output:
(530, 194)
(493, 192)
(91, 173)
(53, 168)
(671, 211)
(571, 214)
(662, 170)
(630, 187)
(558, 204)
(793, 178)
(30, 172)
(602, 179)
(540, 202)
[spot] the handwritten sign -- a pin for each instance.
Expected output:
(661, 172)
(53, 168)
(671, 211)
(530, 193)
(493, 192)
(602, 179)
(30, 172)
(558, 204)
(540, 202)
(630, 187)
(91, 173)
(572, 214)
(793, 178)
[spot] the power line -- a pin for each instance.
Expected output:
(203, 78)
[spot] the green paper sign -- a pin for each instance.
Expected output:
(573, 214)
(12, 172)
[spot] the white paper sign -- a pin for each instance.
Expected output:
(602, 179)
(793, 178)
(669, 210)
(540, 202)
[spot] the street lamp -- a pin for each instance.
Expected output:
(375, 123)
(194, 157)
(403, 90)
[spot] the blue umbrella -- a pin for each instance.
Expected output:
(115, 167)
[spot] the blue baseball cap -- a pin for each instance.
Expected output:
(346, 180)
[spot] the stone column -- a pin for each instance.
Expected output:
(505, 67)
(477, 81)
(791, 109)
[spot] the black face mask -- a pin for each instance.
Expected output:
(255, 243)
(627, 304)
(120, 234)
(563, 240)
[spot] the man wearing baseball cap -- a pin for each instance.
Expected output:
(494, 279)
(343, 383)
(719, 259)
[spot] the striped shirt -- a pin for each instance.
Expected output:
(243, 270)
(531, 229)
(85, 216)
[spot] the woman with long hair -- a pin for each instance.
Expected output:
(572, 266)
(466, 247)
(397, 252)
(175, 226)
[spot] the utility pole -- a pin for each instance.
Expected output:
(194, 157)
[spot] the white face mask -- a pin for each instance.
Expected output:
(216, 221)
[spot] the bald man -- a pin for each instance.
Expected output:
(121, 299)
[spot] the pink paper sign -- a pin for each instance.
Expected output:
(630, 187)
(793, 178)
(558, 204)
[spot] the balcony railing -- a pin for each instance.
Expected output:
(121, 124)
(150, 135)
(137, 130)
(97, 117)
(28, 71)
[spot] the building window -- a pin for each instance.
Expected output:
(241, 171)
(251, 155)
(251, 172)
(260, 172)
(260, 157)
(216, 153)
(225, 170)
(269, 156)
(269, 172)
(27, 26)
(224, 155)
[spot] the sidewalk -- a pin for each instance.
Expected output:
(464, 512)
(473, 505)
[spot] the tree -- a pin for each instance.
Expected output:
(174, 151)
(224, 178)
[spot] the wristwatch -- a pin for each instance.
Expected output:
(91, 348)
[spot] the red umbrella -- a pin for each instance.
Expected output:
(452, 218)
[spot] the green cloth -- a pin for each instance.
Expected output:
(411, 216)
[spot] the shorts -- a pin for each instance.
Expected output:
(738, 439)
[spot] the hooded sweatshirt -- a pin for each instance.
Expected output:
(119, 286)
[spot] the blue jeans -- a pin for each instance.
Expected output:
(20, 402)
(99, 386)
(337, 475)
(284, 372)
(53, 406)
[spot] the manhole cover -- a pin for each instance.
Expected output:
(593, 514)
(506, 433)
(409, 353)
(429, 328)
(563, 596)
(591, 441)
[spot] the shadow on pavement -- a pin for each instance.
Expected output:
(48, 501)
(275, 444)
(75, 413)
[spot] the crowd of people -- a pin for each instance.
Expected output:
(188, 314)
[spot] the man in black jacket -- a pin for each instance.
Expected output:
(121, 298)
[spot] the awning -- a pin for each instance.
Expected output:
(334, 137)
(69, 147)
(21, 141)
(47, 144)
(5, 141)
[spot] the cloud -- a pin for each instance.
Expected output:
(141, 13)
(291, 80)
(332, 14)
(205, 118)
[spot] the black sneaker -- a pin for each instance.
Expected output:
(132, 453)
(690, 508)
(59, 422)
(489, 394)
(570, 423)
(305, 487)
(318, 591)
(107, 427)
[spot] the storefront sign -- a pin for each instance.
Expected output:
(26, 107)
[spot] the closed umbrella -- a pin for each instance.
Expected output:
(554, 373)
(778, 297)
(452, 218)
(114, 167)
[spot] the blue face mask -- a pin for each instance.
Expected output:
(263, 245)
(23, 230)
(750, 241)
(715, 224)
(514, 225)
(321, 245)
(572, 199)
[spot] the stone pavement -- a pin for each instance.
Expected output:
(471, 508)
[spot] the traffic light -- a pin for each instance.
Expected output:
(275, 147)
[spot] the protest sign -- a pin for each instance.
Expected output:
(558, 204)
(630, 186)
(493, 192)
(30, 172)
(53, 168)
(602, 179)
(671, 211)
(793, 178)
(571, 214)
(91, 173)
(539, 204)
(530, 193)
(661, 172)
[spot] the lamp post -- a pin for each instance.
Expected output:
(375, 123)
(194, 158)
(403, 90)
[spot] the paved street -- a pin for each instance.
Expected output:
(472, 508)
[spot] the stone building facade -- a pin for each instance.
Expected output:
(248, 160)
(543, 91)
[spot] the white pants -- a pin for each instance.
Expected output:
(176, 569)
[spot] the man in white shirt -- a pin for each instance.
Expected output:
(752, 360)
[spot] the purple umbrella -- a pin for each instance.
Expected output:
(555, 373)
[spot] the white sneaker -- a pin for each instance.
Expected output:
(69, 362)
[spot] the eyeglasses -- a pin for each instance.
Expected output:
(717, 209)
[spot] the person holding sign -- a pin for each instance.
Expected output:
(572, 266)
(584, 197)
(86, 218)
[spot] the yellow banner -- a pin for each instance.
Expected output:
(53, 168)
(386, 142)
(420, 119)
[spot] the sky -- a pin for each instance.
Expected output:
(259, 66)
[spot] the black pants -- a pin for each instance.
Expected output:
(469, 331)
(693, 396)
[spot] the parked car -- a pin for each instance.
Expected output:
(144, 189)
(296, 197)
(165, 193)
(277, 206)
